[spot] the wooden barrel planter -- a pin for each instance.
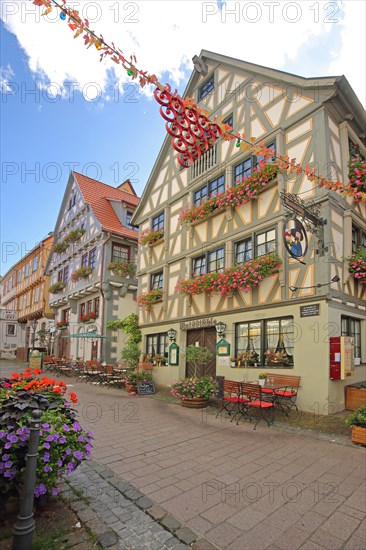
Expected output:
(198, 403)
(359, 435)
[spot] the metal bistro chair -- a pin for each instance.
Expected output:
(231, 402)
(252, 394)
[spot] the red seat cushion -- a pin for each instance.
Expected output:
(260, 404)
(267, 390)
(285, 393)
(231, 399)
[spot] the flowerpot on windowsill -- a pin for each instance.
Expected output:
(155, 243)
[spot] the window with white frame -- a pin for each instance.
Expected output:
(157, 280)
(36, 294)
(11, 329)
(251, 164)
(265, 242)
(157, 344)
(35, 263)
(158, 222)
(244, 250)
(206, 88)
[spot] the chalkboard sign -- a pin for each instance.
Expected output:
(145, 388)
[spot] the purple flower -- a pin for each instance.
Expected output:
(78, 454)
(46, 457)
(76, 426)
(40, 490)
(46, 427)
(66, 428)
(8, 464)
(55, 491)
(2, 434)
(80, 438)
(68, 451)
(47, 469)
(56, 437)
(12, 438)
(5, 458)
(49, 438)
(10, 427)
(88, 447)
(10, 474)
(62, 439)
(23, 438)
(46, 445)
(70, 467)
(59, 463)
(7, 445)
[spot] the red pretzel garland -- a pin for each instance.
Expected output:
(189, 126)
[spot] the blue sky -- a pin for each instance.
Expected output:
(120, 133)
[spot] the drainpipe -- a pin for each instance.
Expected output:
(103, 343)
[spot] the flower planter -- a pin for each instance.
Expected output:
(359, 435)
(261, 381)
(131, 387)
(195, 403)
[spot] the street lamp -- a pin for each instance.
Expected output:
(220, 328)
(34, 323)
(172, 334)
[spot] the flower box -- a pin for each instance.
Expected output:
(81, 273)
(56, 288)
(242, 276)
(122, 269)
(60, 247)
(151, 236)
(62, 325)
(357, 265)
(88, 318)
(74, 235)
(149, 299)
(359, 435)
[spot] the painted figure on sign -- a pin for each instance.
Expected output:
(294, 238)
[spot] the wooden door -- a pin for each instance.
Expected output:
(94, 351)
(206, 338)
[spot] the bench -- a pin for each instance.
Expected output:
(287, 395)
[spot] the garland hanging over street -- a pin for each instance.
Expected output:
(191, 130)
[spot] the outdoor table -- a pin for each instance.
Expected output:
(277, 400)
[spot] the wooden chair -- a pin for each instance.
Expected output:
(230, 400)
(285, 397)
(253, 397)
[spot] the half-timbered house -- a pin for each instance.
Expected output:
(317, 121)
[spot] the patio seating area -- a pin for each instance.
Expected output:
(250, 401)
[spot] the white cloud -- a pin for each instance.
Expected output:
(165, 35)
(6, 76)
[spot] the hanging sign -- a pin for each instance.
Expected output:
(223, 348)
(295, 238)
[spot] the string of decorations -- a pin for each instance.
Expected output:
(189, 126)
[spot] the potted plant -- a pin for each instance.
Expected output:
(122, 269)
(60, 247)
(197, 355)
(357, 421)
(357, 265)
(62, 325)
(74, 235)
(262, 378)
(194, 392)
(56, 288)
(247, 357)
(158, 360)
(274, 357)
(148, 299)
(88, 317)
(81, 273)
(151, 236)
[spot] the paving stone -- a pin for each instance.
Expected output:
(79, 505)
(107, 474)
(107, 539)
(186, 535)
(144, 502)
(170, 523)
(96, 526)
(156, 512)
(75, 538)
(87, 515)
(203, 544)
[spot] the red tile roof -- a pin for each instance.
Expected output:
(96, 194)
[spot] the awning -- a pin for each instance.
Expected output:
(92, 335)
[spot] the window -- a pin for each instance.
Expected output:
(36, 295)
(206, 88)
(265, 242)
(245, 168)
(65, 315)
(158, 222)
(20, 302)
(352, 327)
(229, 120)
(13, 281)
(128, 221)
(27, 299)
(216, 260)
(157, 344)
(74, 199)
(96, 306)
(60, 275)
(260, 336)
(210, 262)
(210, 189)
(10, 329)
(244, 251)
(120, 253)
(66, 275)
(89, 306)
(19, 275)
(157, 280)
(84, 260)
(82, 310)
(26, 270)
(93, 257)
(35, 263)
(358, 238)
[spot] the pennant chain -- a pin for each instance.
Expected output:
(189, 126)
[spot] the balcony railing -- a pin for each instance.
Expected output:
(205, 162)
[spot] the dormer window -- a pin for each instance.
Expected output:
(206, 88)
(128, 221)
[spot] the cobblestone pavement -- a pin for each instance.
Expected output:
(232, 487)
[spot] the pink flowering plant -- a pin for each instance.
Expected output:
(194, 388)
(238, 195)
(151, 236)
(357, 265)
(241, 276)
(357, 171)
(148, 299)
(63, 444)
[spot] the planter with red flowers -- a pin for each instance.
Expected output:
(238, 195)
(357, 170)
(62, 325)
(149, 299)
(122, 269)
(357, 265)
(81, 273)
(88, 317)
(151, 236)
(239, 277)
